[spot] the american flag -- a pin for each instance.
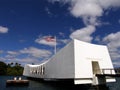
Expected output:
(50, 39)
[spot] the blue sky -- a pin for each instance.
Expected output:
(24, 24)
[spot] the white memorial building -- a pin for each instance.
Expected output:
(79, 61)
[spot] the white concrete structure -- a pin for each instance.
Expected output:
(78, 60)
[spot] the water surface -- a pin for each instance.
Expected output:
(39, 85)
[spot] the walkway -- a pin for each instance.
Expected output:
(109, 72)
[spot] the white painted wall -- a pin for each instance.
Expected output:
(26, 70)
(61, 66)
(85, 53)
(36, 71)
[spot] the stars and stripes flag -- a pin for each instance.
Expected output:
(51, 39)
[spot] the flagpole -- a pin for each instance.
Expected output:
(55, 45)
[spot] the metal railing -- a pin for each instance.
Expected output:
(111, 71)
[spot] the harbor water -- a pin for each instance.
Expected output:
(38, 85)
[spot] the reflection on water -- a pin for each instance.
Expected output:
(64, 86)
(39, 85)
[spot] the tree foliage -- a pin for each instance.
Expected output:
(3, 68)
(11, 69)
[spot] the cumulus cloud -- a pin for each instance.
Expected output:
(12, 52)
(3, 29)
(35, 52)
(117, 64)
(10, 57)
(64, 41)
(22, 61)
(46, 40)
(2, 59)
(25, 56)
(106, 4)
(28, 61)
(113, 42)
(83, 34)
(1, 51)
(89, 10)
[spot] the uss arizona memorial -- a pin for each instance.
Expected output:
(78, 61)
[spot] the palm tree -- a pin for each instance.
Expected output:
(16, 64)
(11, 63)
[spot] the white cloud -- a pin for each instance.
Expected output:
(48, 11)
(28, 61)
(119, 21)
(97, 38)
(1, 51)
(65, 41)
(113, 42)
(12, 52)
(42, 40)
(89, 10)
(106, 4)
(86, 8)
(35, 52)
(22, 41)
(22, 61)
(10, 57)
(62, 34)
(83, 34)
(3, 29)
(26, 56)
(2, 59)
(117, 64)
